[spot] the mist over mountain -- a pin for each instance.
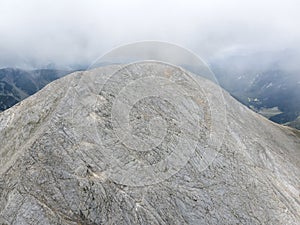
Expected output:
(237, 39)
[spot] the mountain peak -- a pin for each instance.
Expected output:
(144, 143)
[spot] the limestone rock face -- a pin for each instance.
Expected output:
(146, 143)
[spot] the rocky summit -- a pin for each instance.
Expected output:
(144, 143)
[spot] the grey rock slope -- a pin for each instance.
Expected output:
(54, 170)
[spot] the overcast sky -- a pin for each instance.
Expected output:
(64, 32)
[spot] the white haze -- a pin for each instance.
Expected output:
(35, 33)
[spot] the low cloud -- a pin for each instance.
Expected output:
(67, 33)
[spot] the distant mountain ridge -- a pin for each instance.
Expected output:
(274, 94)
(18, 84)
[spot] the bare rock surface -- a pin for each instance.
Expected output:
(146, 143)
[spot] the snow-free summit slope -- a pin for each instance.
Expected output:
(55, 166)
